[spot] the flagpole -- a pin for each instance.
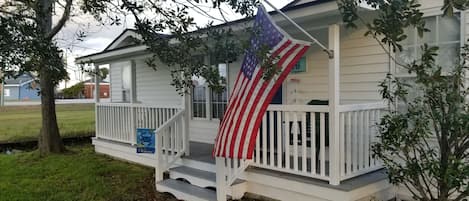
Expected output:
(328, 51)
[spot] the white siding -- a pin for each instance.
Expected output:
(154, 87)
(115, 72)
(363, 65)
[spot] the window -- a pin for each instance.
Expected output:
(444, 32)
(126, 82)
(199, 99)
(207, 101)
(300, 66)
(7, 92)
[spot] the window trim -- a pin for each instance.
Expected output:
(432, 12)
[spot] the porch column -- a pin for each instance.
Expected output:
(187, 113)
(96, 83)
(334, 102)
(133, 84)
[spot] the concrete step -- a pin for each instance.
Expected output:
(185, 191)
(194, 176)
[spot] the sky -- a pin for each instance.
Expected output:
(98, 36)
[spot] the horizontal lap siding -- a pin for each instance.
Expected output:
(363, 65)
(154, 87)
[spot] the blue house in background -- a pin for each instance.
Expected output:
(22, 88)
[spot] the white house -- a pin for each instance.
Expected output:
(316, 151)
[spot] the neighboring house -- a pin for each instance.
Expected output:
(305, 150)
(23, 88)
(89, 89)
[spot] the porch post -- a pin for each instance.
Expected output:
(187, 107)
(334, 102)
(220, 178)
(96, 83)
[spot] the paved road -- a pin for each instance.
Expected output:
(58, 101)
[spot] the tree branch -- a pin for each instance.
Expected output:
(62, 21)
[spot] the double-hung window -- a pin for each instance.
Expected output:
(445, 32)
(208, 103)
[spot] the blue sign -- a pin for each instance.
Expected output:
(145, 140)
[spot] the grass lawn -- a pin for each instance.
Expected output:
(78, 175)
(22, 123)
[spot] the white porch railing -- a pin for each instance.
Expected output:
(295, 139)
(358, 131)
(119, 121)
(170, 144)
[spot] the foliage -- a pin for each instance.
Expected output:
(424, 143)
(74, 91)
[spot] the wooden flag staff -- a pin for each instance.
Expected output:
(328, 51)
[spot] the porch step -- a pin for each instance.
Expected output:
(185, 191)
(194, 176)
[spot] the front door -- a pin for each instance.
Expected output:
(277, 97)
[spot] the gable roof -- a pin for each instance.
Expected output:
(21, 80)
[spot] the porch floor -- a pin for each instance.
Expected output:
(203, 152)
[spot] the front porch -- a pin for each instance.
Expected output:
(294, 142)
(199, 169)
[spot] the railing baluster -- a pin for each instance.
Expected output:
(366, 138)
(349, 142)
(264, 139)
(295, 141)
(279, 139)
(287, 140)
(303, 142)
(322, 150)
(313, 143)
(258, 147)
(271, 138)
(360, 145)
(342, 144)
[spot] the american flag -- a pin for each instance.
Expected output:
(252, 94)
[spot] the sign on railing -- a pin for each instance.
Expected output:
(145, 140)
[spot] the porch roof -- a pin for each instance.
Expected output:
(295, 10)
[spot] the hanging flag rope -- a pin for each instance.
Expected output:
(252, 93)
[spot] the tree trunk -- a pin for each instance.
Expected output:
(49, 136)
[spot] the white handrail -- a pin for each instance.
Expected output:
(170, 121)
(299, 108)
(139, 105)
(362, 106)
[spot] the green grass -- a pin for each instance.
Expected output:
(22, 123)
(78, 175)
